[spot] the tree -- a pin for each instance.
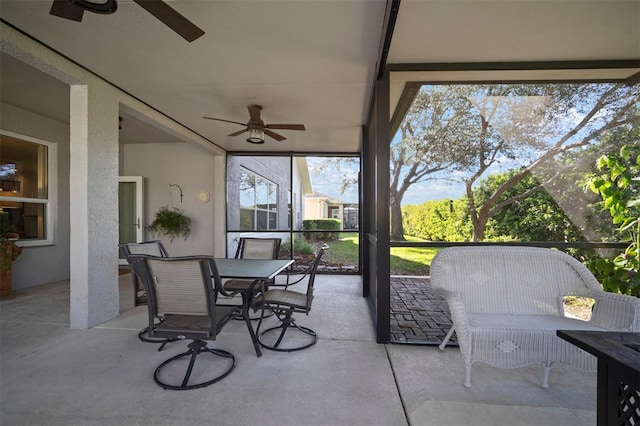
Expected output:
(433, 138)
(537, 217)
(526, 125)
(540, 133)
(464, 132)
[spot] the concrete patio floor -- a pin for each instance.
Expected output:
(53, 375)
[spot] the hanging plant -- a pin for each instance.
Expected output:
(172, 222)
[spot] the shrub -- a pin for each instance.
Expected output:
(331, 226)
(441, 220)
(619, 187)
(300, 246)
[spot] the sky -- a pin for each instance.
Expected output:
(447, 184)
(328, 182)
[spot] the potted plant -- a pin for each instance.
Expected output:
(172, 222)
(9, 252)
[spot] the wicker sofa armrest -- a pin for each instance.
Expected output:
(458, 312)
(616, 311)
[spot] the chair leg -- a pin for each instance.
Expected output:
(195, 348)
(194, 353)
(247, 320)
(467, 376)
(286, 323)
(545, 376)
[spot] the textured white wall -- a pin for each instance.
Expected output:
(88, 192)
(94, 205)
(194, 169)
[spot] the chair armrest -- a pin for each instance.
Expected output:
(222, 292)
(616, 311)
(289, 279)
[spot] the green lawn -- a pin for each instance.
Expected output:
(404, 260)
(344, 250)
(411, 260)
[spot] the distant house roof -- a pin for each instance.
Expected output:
(326, 197)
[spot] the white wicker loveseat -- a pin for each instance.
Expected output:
(506, 304)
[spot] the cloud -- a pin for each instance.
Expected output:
(329, 181)
(433, 190)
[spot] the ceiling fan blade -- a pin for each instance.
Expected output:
(286, 126)
(239, 132)
(171, 18)
(254, 113)
(66, 9)
(226, 121)
(274, 135)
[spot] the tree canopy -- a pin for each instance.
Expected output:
(471, 131)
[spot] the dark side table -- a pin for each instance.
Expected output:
(618, 373)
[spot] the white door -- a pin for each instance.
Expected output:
(130, 210)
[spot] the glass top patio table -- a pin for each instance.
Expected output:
(251, 269)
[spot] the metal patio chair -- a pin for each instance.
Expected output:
(284, 302)
(181, 299)
(253, 248)
(150, 248)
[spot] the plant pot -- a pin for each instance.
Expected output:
(6, 252)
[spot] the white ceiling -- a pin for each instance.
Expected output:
(436, 31)
(304, 61)
(309, 62)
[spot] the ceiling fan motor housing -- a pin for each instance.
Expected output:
(97, 6)
(256, 127)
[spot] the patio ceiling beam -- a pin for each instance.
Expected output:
(390, 16)
(411, 88)
(515, 66)
(634, 79)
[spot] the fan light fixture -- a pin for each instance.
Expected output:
(256, 127)
(256, 136)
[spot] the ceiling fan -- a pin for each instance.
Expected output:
(74, 9)
(256, 127)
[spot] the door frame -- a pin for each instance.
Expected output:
(139, 182)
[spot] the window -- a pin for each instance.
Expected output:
(26, 176)
(271, 196)
(258, 202)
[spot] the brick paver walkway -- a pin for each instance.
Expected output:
(418, 314)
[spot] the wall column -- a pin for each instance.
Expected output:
(93, 206)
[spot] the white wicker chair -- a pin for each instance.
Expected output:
(506, 304)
